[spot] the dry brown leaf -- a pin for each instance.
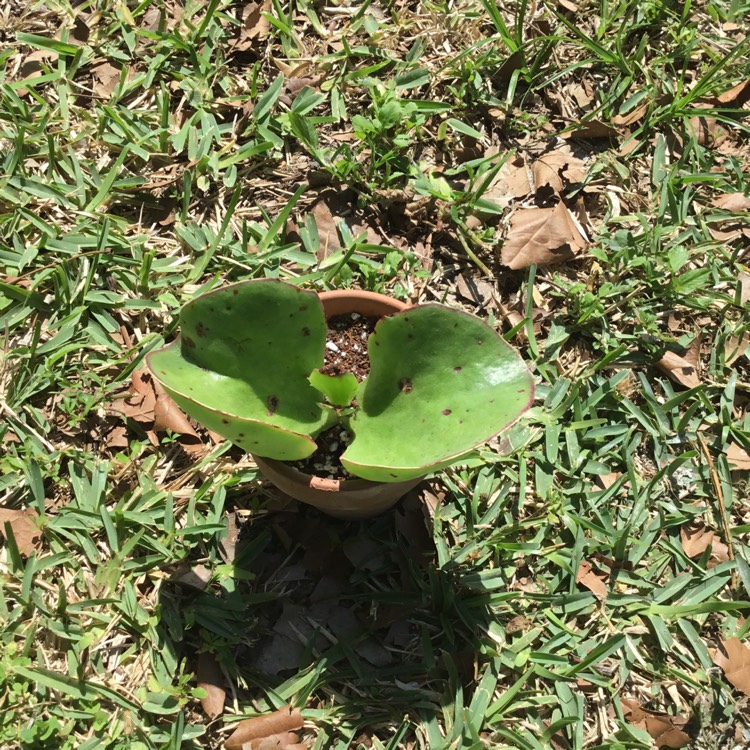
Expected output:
(23, 525)
(665, 730)
(732, 202)
(117, 437)
(512, 182)
(80, 32)
(677, 368)
(738, 457)
(696, 539)
(605, 481)
(33, 66)
(729, 232)
(733, 656)
(106, 77)
(705, 128)
(211, 679)
(631, 117)
(148, 404)
(737, 96)
(591, 129)
(151, 18)
(510, 66)
(557, 169)
(195, 577)
(744, 279)
(594, 583)
(169, 416)
(541, 235)
(475, 290)
(140, 402)
(736, 347)
(518, 624)
(327, 228)
(255, 26)
(286, 719)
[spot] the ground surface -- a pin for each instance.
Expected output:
(573, 171)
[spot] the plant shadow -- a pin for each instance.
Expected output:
(357, 616)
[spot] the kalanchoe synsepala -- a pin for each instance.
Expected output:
(441, 382)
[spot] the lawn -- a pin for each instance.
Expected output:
(575, 172)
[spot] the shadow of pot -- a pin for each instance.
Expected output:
(347, 498)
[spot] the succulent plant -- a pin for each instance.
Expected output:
(247, 366)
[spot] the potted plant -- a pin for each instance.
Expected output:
(247, 365)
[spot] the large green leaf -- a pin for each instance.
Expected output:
(441, 383)
(242, 363)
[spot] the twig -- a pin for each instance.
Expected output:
(722, 508)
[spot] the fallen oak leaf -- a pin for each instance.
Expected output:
(542, 236)
(24, 527)
(557, 169)
(209, 676)
(732, 202)
(591, 129)
(284, 719)
(705, 128)
(512, 182)
(117, 437)
(665, 730)
(733, 656)
(588, 578)
(677, 368)
(631, 117)
(106, 78)
(738, 95)
(169, 416)
(696, 539)
(738, 456)
(255, 26)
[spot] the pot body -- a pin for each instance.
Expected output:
(348, 498)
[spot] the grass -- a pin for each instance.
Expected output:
(150, 151)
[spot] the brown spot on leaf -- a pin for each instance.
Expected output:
(457, 368)
(189, 343)
(225, 421)
(200, 330)
(447, 412)
(273, 403)
(405, 385)
(305, 331)
(303, 308)
(235, 292)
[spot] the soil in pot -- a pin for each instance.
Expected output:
(346, 345)
(346, 351)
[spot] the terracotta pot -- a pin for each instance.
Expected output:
(349, 498)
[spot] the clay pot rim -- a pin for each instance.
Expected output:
(317, 483)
